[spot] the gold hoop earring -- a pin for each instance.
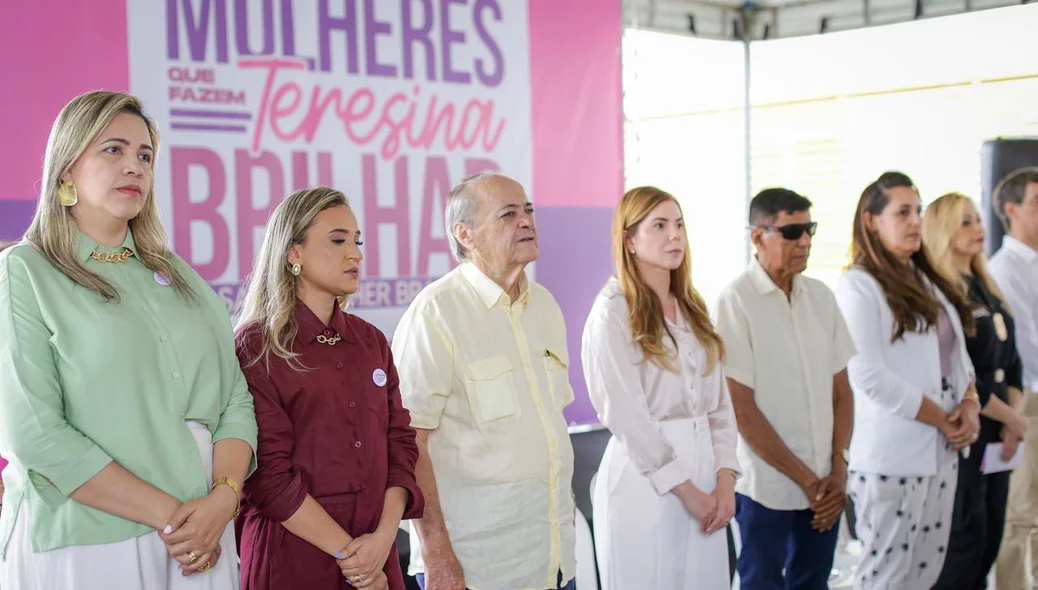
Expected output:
(67, 194)
(297, 268)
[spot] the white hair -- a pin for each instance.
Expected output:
(462, 205)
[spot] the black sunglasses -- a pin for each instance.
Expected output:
(793, 231)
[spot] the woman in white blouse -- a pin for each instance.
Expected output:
(652, 361)
(914, 403)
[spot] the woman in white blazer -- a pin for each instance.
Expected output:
(915, 404)
(653, 364)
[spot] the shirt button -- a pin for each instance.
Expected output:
(163, 339)
(358, 444)
(363, 486)
(144, 308)
(353, 405)
(338, 365)
(176, 376)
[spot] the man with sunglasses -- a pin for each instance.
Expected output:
(787, 351)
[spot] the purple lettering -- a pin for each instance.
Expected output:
(197, 29)
(412, 35)
(241, 27)
(498, 60)
(288, 39)
(372, 29)
(450, 37)
(326, 24)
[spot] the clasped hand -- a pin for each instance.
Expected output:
(963, 425)
(828, 497)
(192, 535)
(362, 561)
(713, 510)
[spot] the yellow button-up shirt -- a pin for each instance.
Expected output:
(490, 378)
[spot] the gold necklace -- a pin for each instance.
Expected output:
(116, 257)
(329, 341)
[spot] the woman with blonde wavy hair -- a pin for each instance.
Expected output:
(954, 233)
(123, 411)
(653, 364)
(336, 449)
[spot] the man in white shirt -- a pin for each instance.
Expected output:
(483, 366)
(787, 352)
(1015, 268)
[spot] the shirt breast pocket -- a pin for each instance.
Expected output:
(556, 367)
(490, 385)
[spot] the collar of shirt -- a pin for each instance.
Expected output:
(85, 245)
(763, 283)
(310, 327)
(490, 293)
(1020, 249)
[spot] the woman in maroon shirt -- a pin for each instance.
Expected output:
(336, 451)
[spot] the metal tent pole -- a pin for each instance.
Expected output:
(748, 17)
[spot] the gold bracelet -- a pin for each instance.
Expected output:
(973, 397)
(731, 472)
(226, 481)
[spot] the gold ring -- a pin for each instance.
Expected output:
(192, 557)
(205, 566)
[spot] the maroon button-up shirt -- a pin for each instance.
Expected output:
(336, 430)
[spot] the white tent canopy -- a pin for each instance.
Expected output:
(771, 19)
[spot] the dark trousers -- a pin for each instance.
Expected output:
(731, 553)
(777, 540)
(977, 525)
(567, 586)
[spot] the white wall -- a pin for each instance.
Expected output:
(830, 113)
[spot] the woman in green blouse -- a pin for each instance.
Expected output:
(123, 411)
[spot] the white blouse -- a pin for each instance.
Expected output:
(633, 396)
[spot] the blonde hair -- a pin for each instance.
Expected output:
(941, 222)
(53, 230)
(648, 325)
(271, 293)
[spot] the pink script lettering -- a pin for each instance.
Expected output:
(397, 121)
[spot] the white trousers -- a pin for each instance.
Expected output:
(646, 541)
(903, 523)
(134, 564)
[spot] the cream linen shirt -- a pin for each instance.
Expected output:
(633, 397)
(1015, 268)
(787, 351)
(490, 378)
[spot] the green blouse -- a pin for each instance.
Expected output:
(84, 382)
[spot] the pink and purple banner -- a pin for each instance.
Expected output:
(390, 101)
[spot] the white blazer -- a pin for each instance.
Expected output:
(890, 380)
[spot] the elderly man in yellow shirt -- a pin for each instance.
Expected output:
(483, 369)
